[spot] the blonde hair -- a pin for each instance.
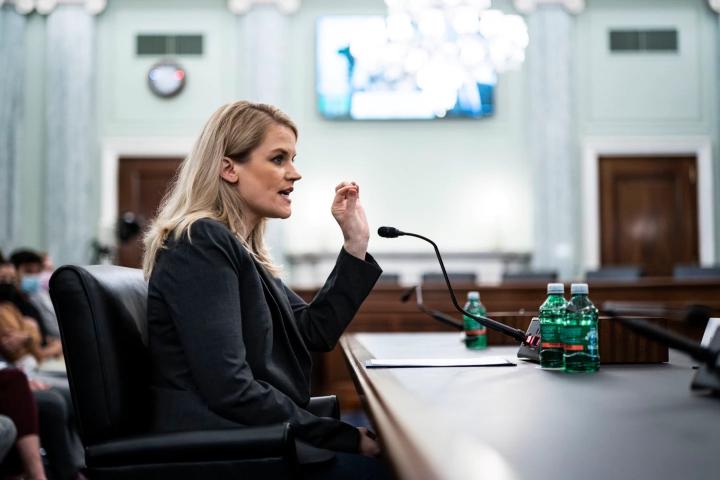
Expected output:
(233, 131)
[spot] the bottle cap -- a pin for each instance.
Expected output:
(473, 295)
(555, 288)
(579, 289)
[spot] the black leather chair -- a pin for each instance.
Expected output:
(530, 276)
(455, 277)
(101, 312)
(389, 279)
(627, 273)
(695, 272)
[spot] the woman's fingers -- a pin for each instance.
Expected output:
(348, 193)
(352, 197)
(345, 185)
(342, 191)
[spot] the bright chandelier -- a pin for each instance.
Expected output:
(446, 47)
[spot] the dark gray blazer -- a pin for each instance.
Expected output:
(231, 344)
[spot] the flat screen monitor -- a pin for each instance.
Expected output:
(362, 76)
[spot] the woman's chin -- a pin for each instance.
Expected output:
(283, 214)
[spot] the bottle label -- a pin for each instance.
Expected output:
(592, 341)
(551, 345)
(480, 331)
(574, 348)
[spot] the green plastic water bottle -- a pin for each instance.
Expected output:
(552, 317)
(580, 332)
(475, 332)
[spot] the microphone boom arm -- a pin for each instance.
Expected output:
(437, 315)
(488, 322)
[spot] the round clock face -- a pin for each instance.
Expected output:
(166, 79)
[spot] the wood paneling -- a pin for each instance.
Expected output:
(514, 304)
(648, 211)
(142, 185)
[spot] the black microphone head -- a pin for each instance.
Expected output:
(389, 232)
(408, 293)
(698, 315)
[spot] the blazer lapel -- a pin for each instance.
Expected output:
(282, 306)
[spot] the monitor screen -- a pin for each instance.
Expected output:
(362, 75)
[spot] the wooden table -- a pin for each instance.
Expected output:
(513, 304)
(522, 422)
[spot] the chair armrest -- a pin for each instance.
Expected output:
(272, 441)
(326, 406)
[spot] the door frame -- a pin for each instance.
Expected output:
(114, 148)
(595, 147)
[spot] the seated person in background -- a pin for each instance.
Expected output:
(8, 434)
(20, 346)
(230, 343)
(20, 338)
(33, 276)
(57, 428)
(18, 404)
(10, 293)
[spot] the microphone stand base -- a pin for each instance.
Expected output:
(707, 377)
(530, 348)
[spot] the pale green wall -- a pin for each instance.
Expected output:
(127, 108)
(32, 169)
(465, 182)
(652, 94)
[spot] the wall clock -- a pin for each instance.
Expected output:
(166, 78)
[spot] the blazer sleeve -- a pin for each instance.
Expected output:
(199, 284)
(322, 321)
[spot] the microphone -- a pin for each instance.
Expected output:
(439, 316)
(692, 314)
(519, 335)
(708, 376)
(389, 232)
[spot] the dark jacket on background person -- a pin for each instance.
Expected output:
(230, 344)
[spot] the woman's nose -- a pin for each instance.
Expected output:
(293, 173)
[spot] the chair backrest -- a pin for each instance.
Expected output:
(459, 277)
(620, 272)
(388, 279)
(529, 276)
(101, 311)
(694, 271)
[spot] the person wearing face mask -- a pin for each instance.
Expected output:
(20, 337)
(32, 273)
(20, 346)
(230, 343)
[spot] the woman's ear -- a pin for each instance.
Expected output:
(227, 171)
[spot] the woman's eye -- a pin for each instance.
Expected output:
(278, 160)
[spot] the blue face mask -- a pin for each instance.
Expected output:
(30, 284)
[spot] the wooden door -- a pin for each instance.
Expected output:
(142, 185)
(648, 211)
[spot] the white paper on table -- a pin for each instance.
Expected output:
(438, 362)
(712, 327)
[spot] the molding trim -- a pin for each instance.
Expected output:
(241, 7)
(46, 7)
(594, 147)
(112, 150)
(715, 5)
(572, 6)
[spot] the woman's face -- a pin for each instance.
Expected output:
(266, 179)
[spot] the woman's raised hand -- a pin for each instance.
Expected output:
(350, 216)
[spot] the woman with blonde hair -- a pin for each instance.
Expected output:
(230, 343)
